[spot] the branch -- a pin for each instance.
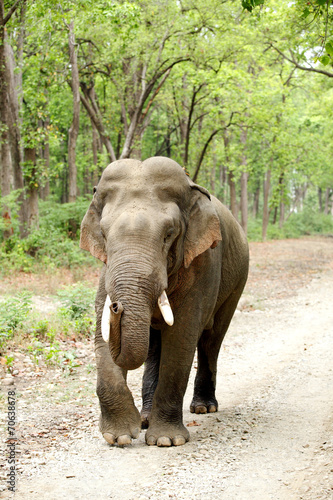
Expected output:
(188, 126)
(12, 10)
(303, 68)
(204, 149)
(98, 124)
(155, 94)
(203, 152)
(198, 118)
(143, 97)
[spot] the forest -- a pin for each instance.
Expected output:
(239, 93)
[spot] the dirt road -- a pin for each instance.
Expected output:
(273, 435)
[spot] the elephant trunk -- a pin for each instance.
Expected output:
(129, 339)
(134, 290)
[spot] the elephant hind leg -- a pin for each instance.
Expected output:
(204, 400)
(150, 376)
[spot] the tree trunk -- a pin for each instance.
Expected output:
(13, 79)
(96, 147)
(282, 214)
(136, 152)
(91, 106)
(32, 191)
(265, 216)
(256, 202)
(45, 190)
(244, 179)
(233, 199)
(213, 174)
(244, 203)
(74, 129)
(320, 199)
(327, 199)
(64, 175)
(5, 160)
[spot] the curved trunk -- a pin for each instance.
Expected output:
(134, 292)
(129, 339)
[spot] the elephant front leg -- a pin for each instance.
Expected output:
(150, 376)
(166, 426)
(119, 420)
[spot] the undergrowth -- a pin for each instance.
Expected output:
(54, 244)
(306, 223)
(42, 335)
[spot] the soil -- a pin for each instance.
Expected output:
(270, 439)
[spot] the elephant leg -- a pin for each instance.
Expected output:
(150, 376)
(204, 400)
(119, 419)
(166, 420)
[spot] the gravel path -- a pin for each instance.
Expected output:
(271, 439)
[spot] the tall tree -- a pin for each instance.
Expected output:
(74, 129)
(6, 118)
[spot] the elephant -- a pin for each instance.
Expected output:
(175, 265)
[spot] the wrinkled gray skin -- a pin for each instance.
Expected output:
(156, 230)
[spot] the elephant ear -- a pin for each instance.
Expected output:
(91, 237)
(203, 230)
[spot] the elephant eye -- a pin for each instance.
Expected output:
(168, 235)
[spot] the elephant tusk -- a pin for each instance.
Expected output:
(165, 308)
(106, 318)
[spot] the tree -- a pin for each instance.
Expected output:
(7, 98)
(74, 129)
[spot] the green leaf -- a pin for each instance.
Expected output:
(325, 60)
(247, 4)
(329, 48)
(321, 2)
(305, 13)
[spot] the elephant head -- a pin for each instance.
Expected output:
(146, 221)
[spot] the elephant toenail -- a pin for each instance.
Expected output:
(151, 440)
(124, 440)
(164, 441)
(200, 409)
(178, 441)
(110, 438)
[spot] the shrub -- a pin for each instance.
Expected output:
(14, 312)
(65, 218)
(54, 244)
(78, 300)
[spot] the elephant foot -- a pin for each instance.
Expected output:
(145, 414)
(120, 429)
(200, 405)
(167, 435)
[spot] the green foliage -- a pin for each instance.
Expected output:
(221, 93)
(13, 313)
(305, 223)
(65, 218)
(251, 4)
(41, 335)
(53, 355)
(77, 312)
(308, 222)
(77, 299)
(54, 244)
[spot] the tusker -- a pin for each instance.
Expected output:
(175, 265)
